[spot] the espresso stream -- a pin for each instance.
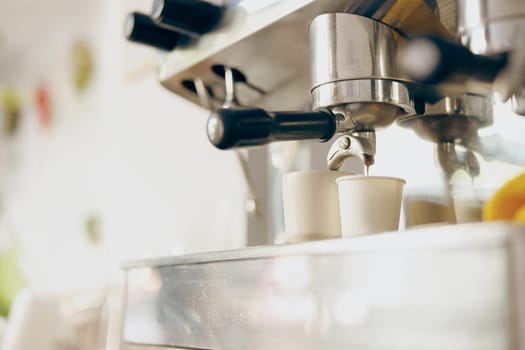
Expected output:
(368, 162)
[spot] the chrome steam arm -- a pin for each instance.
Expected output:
(241, 127)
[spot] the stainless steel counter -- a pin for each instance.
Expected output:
(448, 287)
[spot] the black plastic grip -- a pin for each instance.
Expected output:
(193, 16)
(142, 29)
(240, 127)
(434, 60)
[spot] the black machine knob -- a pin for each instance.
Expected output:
(434, 60)
(142, 29)
(229, 128)
(192, 16)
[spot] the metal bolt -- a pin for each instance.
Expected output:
(344, 143)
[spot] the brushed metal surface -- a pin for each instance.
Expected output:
(449, 287)
(271, 50)
(268, 41)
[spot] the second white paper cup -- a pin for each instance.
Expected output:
(311, 206)
(369, 204)
(468, 203)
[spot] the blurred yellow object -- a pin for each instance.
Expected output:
(508, 203)
(520, 215)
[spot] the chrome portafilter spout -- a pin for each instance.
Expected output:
(361, 144)
(452, 122)
(452, 160)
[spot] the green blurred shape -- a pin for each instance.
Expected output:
(11, 280)
(83, 65)
(12, 104)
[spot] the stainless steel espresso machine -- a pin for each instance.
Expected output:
(342, 70)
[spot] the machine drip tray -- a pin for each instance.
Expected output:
(449, 287)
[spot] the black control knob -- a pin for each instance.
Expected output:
(433, 60)
(229, 128)
(192, 16)
(142, 29)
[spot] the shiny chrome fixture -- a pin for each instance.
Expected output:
(450, 122)
(356, 90)
(354, 50)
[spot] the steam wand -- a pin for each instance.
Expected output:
(452, 160)
(251, 204)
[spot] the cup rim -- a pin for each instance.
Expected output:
(475, 192)
(360, 177)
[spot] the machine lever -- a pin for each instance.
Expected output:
(434, 60)
(239, 127)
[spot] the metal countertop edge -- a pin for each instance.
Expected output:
(478, 235)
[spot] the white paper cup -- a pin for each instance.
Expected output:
(311, 205)
(468, 203)
(369, 204)
(428, 209)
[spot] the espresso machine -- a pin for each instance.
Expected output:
(338, 72)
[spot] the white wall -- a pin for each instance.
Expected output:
(126, 151)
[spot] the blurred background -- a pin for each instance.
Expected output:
(95, 166)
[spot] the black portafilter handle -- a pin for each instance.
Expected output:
(196, 17)
(241, 127)
(434, 60)
(140, 28)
